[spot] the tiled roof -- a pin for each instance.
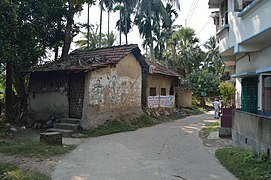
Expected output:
(89, 59)
(160, 69)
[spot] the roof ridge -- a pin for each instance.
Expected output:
(102, 48)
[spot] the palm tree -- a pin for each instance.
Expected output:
(101, 4)
(212, 56)
(124, 24)
(74, 6)
(146, 18)
(185, 51)
(109, 6)
(90, 40)
(109, 39)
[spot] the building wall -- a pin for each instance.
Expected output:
(254, 134)
(111, 92)
(185, 99)
(48, 97)
(159, 81)
(241, 28)
(258, 60)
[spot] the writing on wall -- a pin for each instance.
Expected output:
(161, 101)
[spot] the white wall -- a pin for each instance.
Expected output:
(254, 21)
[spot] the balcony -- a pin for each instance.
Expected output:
(215, 3)
(256, 42)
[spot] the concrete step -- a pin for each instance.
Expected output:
(64, 132)
(67, 126)
(70, 120)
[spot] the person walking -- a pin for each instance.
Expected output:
(216, 105)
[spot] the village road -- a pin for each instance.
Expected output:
(169, 151)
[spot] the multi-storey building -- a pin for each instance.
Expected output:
(244, 34)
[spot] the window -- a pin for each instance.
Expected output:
(267, 82)
(224, 13)
(163, 92)
(239, 5)
(152, 91)
(171, 90)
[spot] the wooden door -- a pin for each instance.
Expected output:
(249, 95)
(266, 93)
(76, 94)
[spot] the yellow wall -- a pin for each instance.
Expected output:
(111, 91)
(159, 81)
(185, 99)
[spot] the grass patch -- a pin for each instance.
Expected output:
(108, 128)
(12, 172)
(245, 164)
(210, 128)
(118, 126)
(31, 148)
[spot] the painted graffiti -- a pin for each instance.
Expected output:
(96, 92)
(161, 101)
(114, 86)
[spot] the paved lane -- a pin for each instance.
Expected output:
(168, 151)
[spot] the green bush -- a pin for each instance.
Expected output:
(227, 91)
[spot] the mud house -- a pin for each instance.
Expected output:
(93, 86)
(164, 88)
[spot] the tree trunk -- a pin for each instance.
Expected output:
(166, 53)
(120, 27)
(125, 20)
(88, 29)
(101, 21)
(68, 30)
(174, 54)
(8, 100)
(19, 84)
(108, 27)
(151, 38)
(56, 52)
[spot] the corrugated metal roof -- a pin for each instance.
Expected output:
(87, 60)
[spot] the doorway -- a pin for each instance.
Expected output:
(76, 94)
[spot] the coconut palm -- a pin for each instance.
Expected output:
(212, 60)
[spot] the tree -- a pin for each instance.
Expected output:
(126, 10)
(93, 40)
(74, 6)
(185, 51)
(27, 29)
(146, 18)
(204, 81)
(227, 91)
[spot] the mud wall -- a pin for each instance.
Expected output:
(112, 92)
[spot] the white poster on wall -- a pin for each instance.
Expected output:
(161, 101)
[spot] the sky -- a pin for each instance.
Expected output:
(199, 20)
